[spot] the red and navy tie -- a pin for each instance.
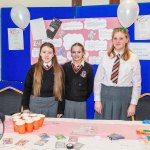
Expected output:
(115, 70)
(76, 69)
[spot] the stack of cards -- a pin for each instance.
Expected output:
(44, 136)
(60, 137)
(77, 146)
(21, 142)
(7, 141)
(115, 136)
(41, 142)
(44, 139)
(73, 139)
(60, 144)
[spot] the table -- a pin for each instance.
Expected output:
(92, 134)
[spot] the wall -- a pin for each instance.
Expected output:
(46, 3)
(94, 2)
(35, 3)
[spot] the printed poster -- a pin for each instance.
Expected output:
(93, 33)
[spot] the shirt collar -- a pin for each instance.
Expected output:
(49, 64)
(82, 63)
(120, 53)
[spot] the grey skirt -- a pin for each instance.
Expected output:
(115, 103)
(44, 105)
(75, 109)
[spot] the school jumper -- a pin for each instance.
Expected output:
(45, 103)
(78, 87)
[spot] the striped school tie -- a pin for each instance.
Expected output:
(76, 69)
(115, 70)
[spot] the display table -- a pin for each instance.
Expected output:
(92, 134)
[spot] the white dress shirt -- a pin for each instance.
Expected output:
(82, 63)
(129, 76)
(47, 64)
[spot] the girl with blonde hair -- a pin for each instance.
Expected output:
(117, 83)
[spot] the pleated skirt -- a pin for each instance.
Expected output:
(44, 105)
(115, 103)
(75, 109)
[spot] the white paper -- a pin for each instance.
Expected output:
(91, 45)
(94, 60)
(61, 59)
(93, 24)
(35, 52)
(142, 31)
(141, 49)
(38, 29)
(55, 42)
(105, 34)
(69, 55)
(15, 39)
(70, 39)
(74, 25)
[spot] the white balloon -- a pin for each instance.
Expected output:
(127, 12)
(20, 15)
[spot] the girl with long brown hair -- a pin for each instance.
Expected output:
(43, 87)
(117, 83)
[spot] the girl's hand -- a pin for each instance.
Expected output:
(98, 107)
(131, 110)
(59, 115)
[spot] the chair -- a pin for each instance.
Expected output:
(10, 100)
(143, 107)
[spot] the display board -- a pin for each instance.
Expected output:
(93, 33)
(15, 64)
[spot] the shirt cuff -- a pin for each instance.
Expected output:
(97, 98)
(134, 102)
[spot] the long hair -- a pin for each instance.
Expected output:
(126, 54)
(58, 75)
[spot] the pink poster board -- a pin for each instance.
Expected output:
(93, 33)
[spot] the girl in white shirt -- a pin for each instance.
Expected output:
(117, 83)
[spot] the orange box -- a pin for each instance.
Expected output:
(36, 122)
(21, 126)
(29, 125)
(14, 124)
(42, 117)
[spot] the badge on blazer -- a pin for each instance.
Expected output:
(83, 74)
